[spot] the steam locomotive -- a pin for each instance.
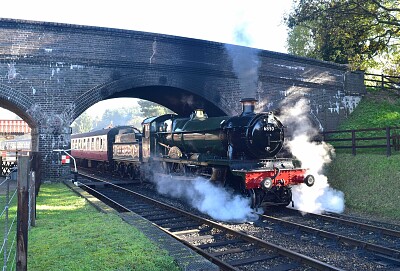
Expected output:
(239, 152)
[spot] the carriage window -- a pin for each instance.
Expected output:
(101, 144)
(146, 131)
(104, 144)
(92, 144)
(97, 143)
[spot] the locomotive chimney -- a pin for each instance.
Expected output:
(248, 105)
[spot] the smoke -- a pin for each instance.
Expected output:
(313, 156)
(245, 62)
(208, 198)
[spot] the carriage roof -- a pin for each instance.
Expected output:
(101, 132)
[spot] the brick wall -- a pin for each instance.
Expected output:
(51, 73)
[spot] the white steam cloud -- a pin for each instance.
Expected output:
(208, 198)
(245, 61)
(313, 156)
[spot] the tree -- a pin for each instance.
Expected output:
(299, 42)
(117, 117)
(354, 32)
(121, 116)
(82, 124)
(150, 109)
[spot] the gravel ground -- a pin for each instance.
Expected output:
(331, 252)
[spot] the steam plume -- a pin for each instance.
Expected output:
(313, 156)
(208, 198)
(245, 62)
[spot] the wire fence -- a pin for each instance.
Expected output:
(8, 219)
(18, 211)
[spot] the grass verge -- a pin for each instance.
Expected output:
(370, 183)
(70, 234)
(370, 180)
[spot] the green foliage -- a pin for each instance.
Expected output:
(83, 124)
(121, 116)
(300, 43)
(150, 109)
(71, 235)
(354, 32)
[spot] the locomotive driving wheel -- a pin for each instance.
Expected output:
(285, 196)
(133, 172)
(174, 168)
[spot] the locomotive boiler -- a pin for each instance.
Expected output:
(240, 152)
(246, 136)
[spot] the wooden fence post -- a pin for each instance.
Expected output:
(22, 213)
(32, 195)
(388, 149)
(396, 142)
(36, 169)
(353, 142)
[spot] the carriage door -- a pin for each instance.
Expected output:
(146, 142)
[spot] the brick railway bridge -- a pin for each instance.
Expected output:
(50, 73)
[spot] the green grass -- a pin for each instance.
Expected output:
(370, 180)
(71, 235)
(377, 110)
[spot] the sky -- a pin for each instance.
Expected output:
(213, 20)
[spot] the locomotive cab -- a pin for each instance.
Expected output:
(151, 127)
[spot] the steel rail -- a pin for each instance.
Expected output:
(360, 225)
(303, 259)
(365, 245)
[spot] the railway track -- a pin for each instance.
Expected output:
(334, 239)
(227, 248)
(382, 242)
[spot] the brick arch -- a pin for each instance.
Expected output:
(182, 102)
(18, 103)
(181, 96)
